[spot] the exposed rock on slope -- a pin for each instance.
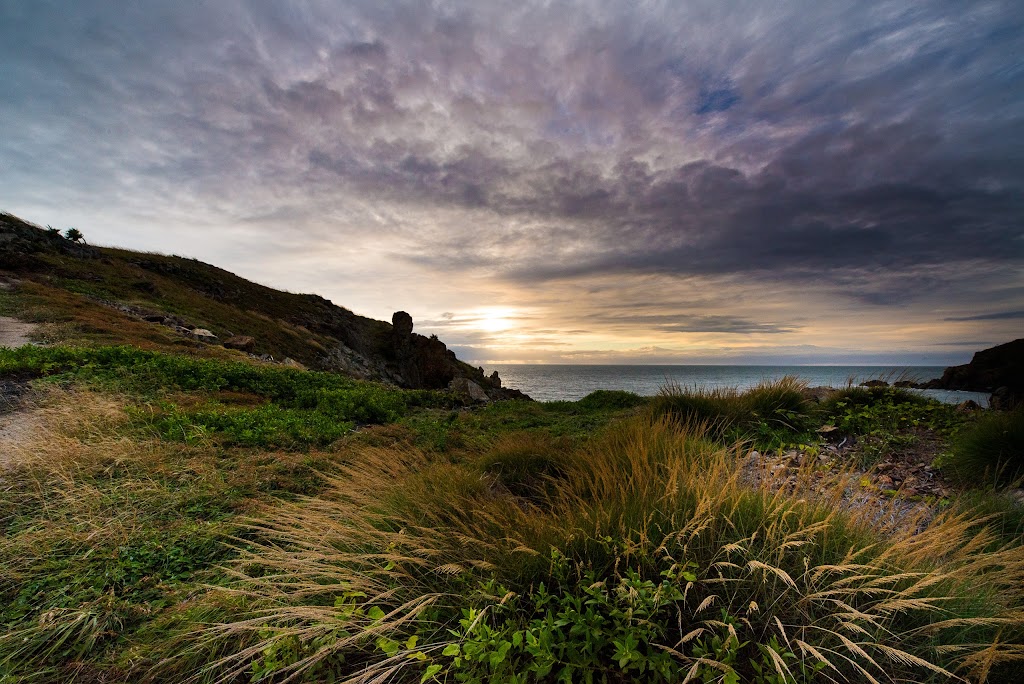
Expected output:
(98, 289)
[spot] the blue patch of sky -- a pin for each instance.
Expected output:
(716, 100)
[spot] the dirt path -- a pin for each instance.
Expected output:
(14, 420)
(14, 333)
(13, 430)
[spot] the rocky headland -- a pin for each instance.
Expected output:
(106, 295)
(998, 370)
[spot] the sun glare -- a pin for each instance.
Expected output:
(494, 319)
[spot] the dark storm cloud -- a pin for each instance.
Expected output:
(859, 147)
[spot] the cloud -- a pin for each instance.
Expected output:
(997, 316)
(826, 159)
(685, 323)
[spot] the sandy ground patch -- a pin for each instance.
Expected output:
(14, 430)
(14, 333)
(15, 421)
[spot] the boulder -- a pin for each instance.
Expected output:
(202, 335)
(241, 343)
(874, 383)
(292, 363)
(402, 323)
(467, 389)
(968, 406)
(1005, 399)
(817, 394)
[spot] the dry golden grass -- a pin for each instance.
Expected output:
(99, 520)
(402, 534)
(60, 461)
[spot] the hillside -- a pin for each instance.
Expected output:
(98, 295)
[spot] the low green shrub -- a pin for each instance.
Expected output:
(611, 399)
(306, 408)
(267, 426)
(154, 373)
(887, 418)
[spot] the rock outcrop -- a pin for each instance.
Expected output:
(999, 370)
(402, 323)
(468, 390)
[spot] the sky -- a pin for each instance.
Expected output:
(552, 182)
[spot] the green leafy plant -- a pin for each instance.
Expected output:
(582, 628)
(887, 419)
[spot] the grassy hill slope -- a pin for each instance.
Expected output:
(95, 295)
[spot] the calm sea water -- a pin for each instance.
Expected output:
(565, 382)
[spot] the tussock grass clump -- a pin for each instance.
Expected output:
(525, 462)
(989, 451)
(769, 413)
(651, 561)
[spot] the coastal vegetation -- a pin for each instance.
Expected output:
(170, 518)
(207, 480)
(993, 448)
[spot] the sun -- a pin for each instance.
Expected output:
(494, 319)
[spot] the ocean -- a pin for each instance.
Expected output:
(572, 382)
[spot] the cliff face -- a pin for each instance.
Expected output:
(106, 295)
(999, 370)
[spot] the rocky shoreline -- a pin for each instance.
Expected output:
(997, 371)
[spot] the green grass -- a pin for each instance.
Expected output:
(299, 408)
(125, 504)
(991, 451)
(105, 533)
